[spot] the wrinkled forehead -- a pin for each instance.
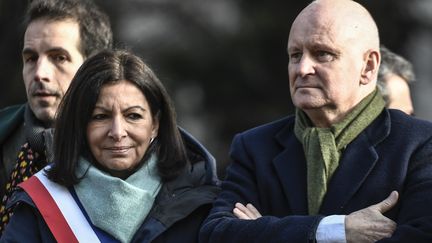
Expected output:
(320, 28)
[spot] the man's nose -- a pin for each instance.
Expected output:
(118, 129)
(43, 70)
(305, 66)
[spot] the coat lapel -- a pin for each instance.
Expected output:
(290, 168)
(357, 162)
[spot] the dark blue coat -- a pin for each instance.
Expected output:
(176, 216)
(269, 171)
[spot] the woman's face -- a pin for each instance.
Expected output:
(120, 128)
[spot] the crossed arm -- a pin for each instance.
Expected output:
(366, 225)
(248, 181)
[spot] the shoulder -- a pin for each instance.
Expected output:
(403, 126)
(194, 178)
(199, 175)
(269, 129)
(202, 162)
(26, 223)
(12, 111)
(10, 118)
(396, 133)
(38, 185)
(19, 196)
(183, 200)
(402, 120)
(265, 135)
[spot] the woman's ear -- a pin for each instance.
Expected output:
(155, 128)
(371, 65)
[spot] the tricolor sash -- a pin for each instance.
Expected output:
(59, 210)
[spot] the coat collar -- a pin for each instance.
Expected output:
(357, 162)
(11, 118)
(195, 186)
(291, 169)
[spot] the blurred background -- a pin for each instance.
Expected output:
(224, 62)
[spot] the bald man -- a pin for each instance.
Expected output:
(343, 168)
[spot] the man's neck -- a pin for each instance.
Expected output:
(325, 118)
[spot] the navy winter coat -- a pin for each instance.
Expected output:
(176, 216)
(269, 170)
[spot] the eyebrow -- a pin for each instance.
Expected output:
(125, 110)
(30, 51)
(325, 46)
(290, 49)
(134, 107)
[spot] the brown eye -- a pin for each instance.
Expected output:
(99, 117)
(30, 58)
(134, 116)
(60, 58)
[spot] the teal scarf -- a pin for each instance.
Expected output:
(118, 206)
(323, 146)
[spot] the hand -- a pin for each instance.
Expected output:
(369, 224)
(248, 212)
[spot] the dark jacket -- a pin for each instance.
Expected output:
(179, 209)
(11, 118)
(269, 170)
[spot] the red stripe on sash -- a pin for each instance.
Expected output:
(49, 210)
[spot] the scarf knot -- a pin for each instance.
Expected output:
(38, 136)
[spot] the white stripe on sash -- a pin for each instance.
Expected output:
(70, 209)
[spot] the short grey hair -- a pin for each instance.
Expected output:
(391, 63)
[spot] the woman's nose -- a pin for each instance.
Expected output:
(117, 130)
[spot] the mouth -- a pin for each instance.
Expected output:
(118, 149)
(306, 87)
(43, 93)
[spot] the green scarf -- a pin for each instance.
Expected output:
(118, 206)
(324, 146)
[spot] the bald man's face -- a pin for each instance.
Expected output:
(325, 63)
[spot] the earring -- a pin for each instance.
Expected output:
(151, 140)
